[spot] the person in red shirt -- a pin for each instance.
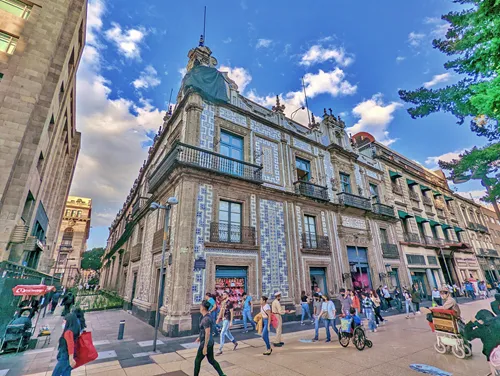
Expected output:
(67, 342)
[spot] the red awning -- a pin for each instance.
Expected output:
(32, 290)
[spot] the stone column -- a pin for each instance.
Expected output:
(430, 277)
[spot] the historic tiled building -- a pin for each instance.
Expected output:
(41, 42)
(265, 205)
(72, 240)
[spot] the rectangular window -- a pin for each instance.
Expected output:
(345, 183)
(310, 232)
(229, 222)
(416, 259)
(231, 146)
(15, 7)
(432, 260)
(29, 205)
(383, 236)
(445, 232)
(421, 230)
(434, 232)
(303, 169)
(374, 193)
(140, 234)
(8, 43)
(62, 258)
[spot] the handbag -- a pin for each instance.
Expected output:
(274, 321)
(85, 351)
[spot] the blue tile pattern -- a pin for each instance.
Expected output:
(299, 144)
(207, 126)
(323, 224)
(253, 211)
(273, 248)
(266, 153)
(202, 234)
(359, 180)
(265, 130)
(232, 116)
(299, 221)
(329, 173)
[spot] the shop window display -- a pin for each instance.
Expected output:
(235, 287)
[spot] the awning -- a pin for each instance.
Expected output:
(448, 198)
(457, 229)
(420, 219)
(423, 188)
(394, 174)
(444, 226)
(411, 182)
(436, 193)
(434, 223)
(404, 215)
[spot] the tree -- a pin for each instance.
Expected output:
(473, 39)
(92, 260)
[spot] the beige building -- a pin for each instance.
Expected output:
(41, 42)
(72, 240)
(489, 246)
(265, 205)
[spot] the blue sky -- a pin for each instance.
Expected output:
(355, 55)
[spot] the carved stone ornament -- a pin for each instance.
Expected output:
(278, 108)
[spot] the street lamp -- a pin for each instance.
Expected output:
(294, 112)
(155, 206)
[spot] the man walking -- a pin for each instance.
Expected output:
(317, 316)
(247, 312)
(226, 315)
(278, 310)
(345, 301)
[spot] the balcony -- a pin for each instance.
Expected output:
(348, 199)
(135, 255)
(481, 228)
(65, 248)
(414, 195)
(138, 205)
(385, 210)
(158, 241)
(411, 237)
(488, 252)
(232, 234)
(126, 258)
(471, 226)
(493, 252)
(390, 251)
(427, 200)
(433, 242)
(396, 189)
(313, 242)
(310, 190)
(192, 156)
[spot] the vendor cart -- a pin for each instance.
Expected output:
(449, 333)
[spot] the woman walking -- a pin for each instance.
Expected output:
(206, 340)
(356, 304)
(305, 308)
(416, 297)
(66, 349)
(265, 311)
(376, 304)
(408, 303)
(368, 310)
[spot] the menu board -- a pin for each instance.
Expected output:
(235, 287)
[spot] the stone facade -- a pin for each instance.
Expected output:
(39, 143)
(72, 240)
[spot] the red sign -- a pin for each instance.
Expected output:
(34, 290)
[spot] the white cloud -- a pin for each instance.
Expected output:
(374, 118)
(440, 27)
(182, 72)
(318, 54)
(399, 59)
(263, 43)
(127, 41)
(227, 40)
(474, 195)
(446, 157)
(239, 75)
(414, 39)
(437, 79)
(147, 79)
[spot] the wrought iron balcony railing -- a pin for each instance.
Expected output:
(383, 210)
(410, 237)
(427, 200)
(488, 252)
(305, 188)
(429, 240)
(313, 241)
(225, 233)
(192, 156)
(390, 251)
(481, 228)
(135, 255)
(397, 189)
(472, 226)
(348, 199)
(158, 241)
(138, 204)
(414, 196)
(493, 252)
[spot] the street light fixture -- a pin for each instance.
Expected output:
(156, 206)
(294, 112)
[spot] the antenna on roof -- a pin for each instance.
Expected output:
(203, 36)
(307, 105)
(170, 99)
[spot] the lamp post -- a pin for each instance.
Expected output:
(154, 206)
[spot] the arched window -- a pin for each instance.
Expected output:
(67, 238)
(79, 213)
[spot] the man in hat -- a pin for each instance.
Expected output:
(448, 301)
(278, 310)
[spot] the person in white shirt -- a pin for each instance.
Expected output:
(408, 302)
(436, 297)
(329, 314)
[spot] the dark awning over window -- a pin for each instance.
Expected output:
(448, 198)
(411, 182)
(444, 226)
(404, 215)
(394, 174)
(436, 193)
(423, 188)
(457, 229)
(420, 219)
(434, 223)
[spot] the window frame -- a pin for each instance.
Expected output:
(346, 182)
(230, 231)
(25, 11)
(311, 236)
(11, 42)
(302, 162)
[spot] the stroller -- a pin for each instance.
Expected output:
(357, 333)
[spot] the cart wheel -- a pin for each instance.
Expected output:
(343, 339)
(440, 348)
(369, 343)
(459, 352)
(468, 349)
(359, 339)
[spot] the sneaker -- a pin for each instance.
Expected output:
(268, 352)
(328, 340)
(407, 317)
(301, 323)
(218, 353)
(245, 331)
(277, 344)
(315, 340)
(374, 330)
(282, 343)
(235, 346)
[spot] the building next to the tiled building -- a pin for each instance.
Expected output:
(487, 240)
(41, 42)
(432, 229)
(265, 205)
(72, 240)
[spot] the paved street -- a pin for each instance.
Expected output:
(396, 345)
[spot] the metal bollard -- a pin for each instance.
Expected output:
(121, 329)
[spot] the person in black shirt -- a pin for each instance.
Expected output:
(206, 341)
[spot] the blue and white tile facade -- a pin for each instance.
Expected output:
(273, 248)
(204, 207)
(265, 130)
(232, 116)
(299, 144)
(329, 172)
(253, 211)
(207, 127)
(299, 222)
(266, 153)
(359, 181)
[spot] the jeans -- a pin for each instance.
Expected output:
(225, 332)
(247, 316)
(378, 317)
(328, 323)
(317, 320)
(409, 307)
(472, 294)
(62, 368)
(265, 333)
(211, 360)
(438, 301)
(370, 316)
(305, 311)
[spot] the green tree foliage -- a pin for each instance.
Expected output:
(92, 260)
(473, 44)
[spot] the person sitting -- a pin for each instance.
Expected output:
(356, 320)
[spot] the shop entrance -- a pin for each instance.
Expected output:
(394, 278)
(360, 270)
(318, 279)
(233, 280)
